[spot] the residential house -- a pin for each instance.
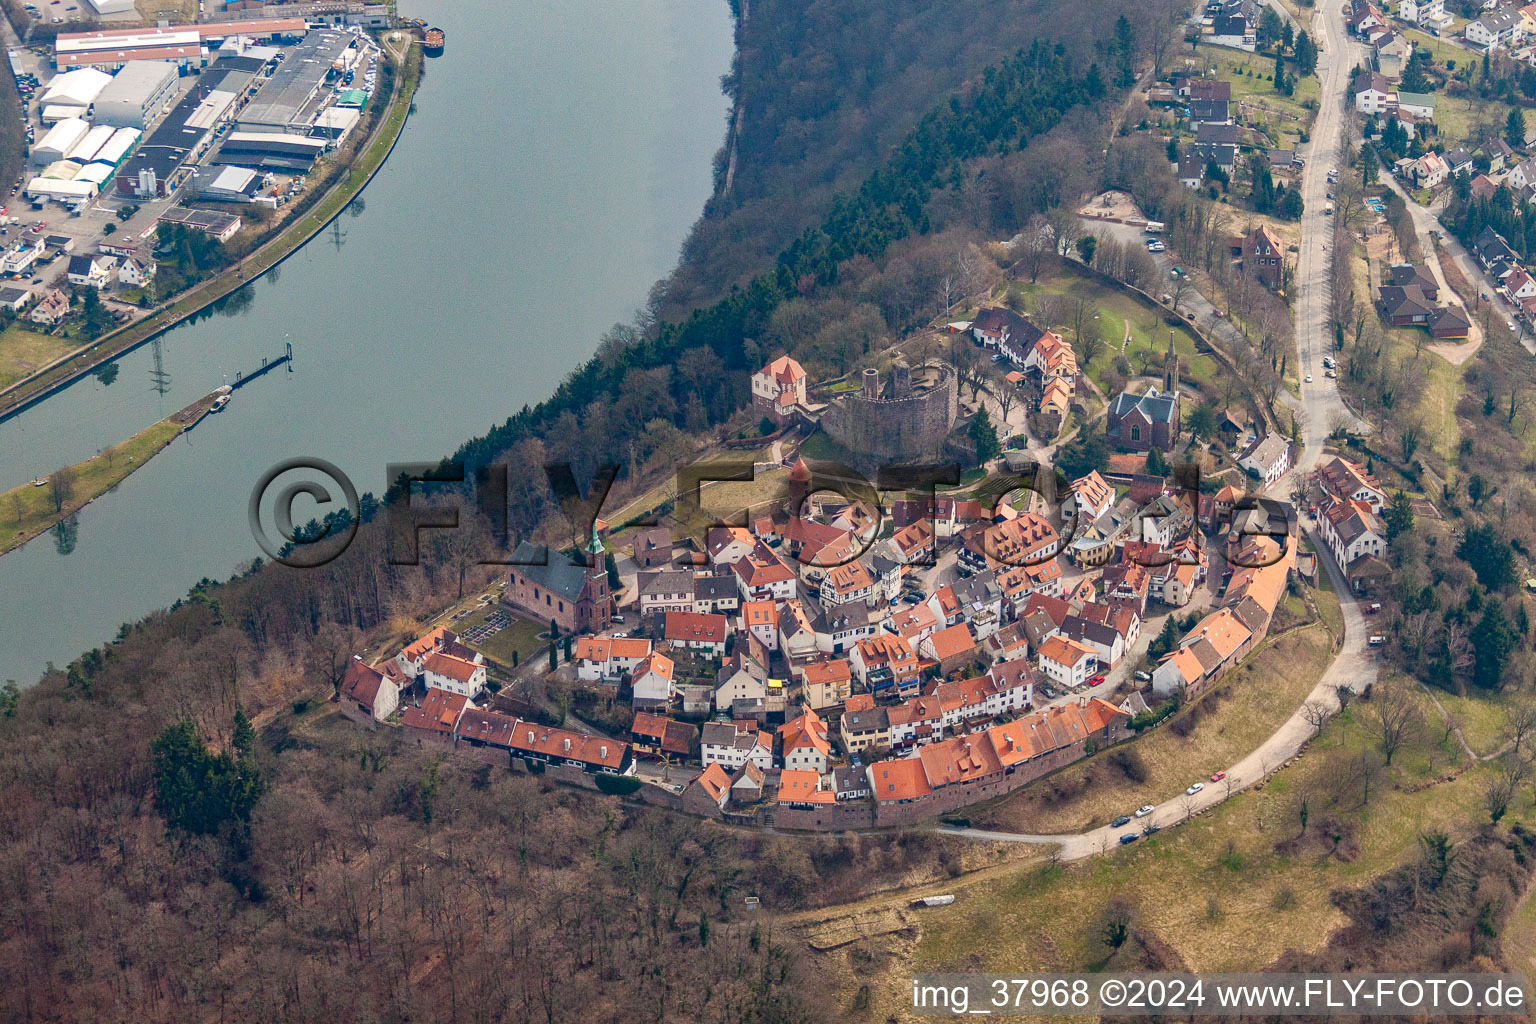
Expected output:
(702, 633)
(726, 544)
(733, 744)
(456, 675)
(662, 737)
(850, 783)
(435, 721)
(708, 793)
(1459, 160)
(827, 683)
(1348, 481)
(1191, 170)
(1146, 421)
(802, 789)
(666, 590)
(1421, 12)
(1028, 539)
(366, 694)
(1374, 94)
(652, 682)
(1087, 498)
(761, 621)
(839, 627)
(1267, 459)
(997, 324)
(1065, 662)
(1431, 170)
(803, 744)
(594, 755)
(951, 648)
(608, 658)
(885, 662)
(92, 270)
(1497, 29)
(715, 595)
(1392, 54)
(748, 783)
(778, 389)
(847, 583)
(1263, 256)
(1352, 530)
(740, 682)
(652, 547)
(763, 576)
(863, 725)
(136, 271)
(1213, 110)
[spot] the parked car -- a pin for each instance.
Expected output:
(1096, 680)
(1192, 790)
(1309, 378)
(1143, 677)
(1150, 829)
(1124, 819)
(1218, 776)
(1142, 812)
(1129, 837)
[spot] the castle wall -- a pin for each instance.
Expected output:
(892, 430)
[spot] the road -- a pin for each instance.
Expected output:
(1321, 405)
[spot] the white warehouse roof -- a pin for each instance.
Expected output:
(79, 87)
(118, 146)
(84, 151)
(54, 189)
(63, 136)
(95, 174)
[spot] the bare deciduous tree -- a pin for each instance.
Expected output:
(1394, 716)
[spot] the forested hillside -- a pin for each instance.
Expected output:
(826, 89)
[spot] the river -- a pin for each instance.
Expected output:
(558, 154)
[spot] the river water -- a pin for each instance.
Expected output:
(559, 151)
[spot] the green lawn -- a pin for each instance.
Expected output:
(28, 510)
(1253, 89)
(1442, 390)
(22, 352)
(520, 638)
(1149, 335)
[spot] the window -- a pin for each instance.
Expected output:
(1135, 433)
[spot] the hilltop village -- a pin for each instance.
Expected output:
(835, 664)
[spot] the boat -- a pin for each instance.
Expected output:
(218, 404)
(934, 901)
(432, 43)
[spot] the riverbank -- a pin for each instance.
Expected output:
(33, 509)
(83, 360)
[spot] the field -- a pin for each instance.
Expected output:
(1115, 310)
(22, 352)
(1230, 890)
(27, 511)
(1230, 722)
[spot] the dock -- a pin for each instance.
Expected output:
(286, 359)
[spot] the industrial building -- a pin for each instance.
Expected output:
(270, 151)
(137, 94)
(61, 138)
(105, 7)
(290, 100)
(185, 44)
(220, 225)
(78, 88)
(226, 184)
(159, 165)
(89, 167)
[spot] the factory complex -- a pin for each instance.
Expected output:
(138, 113)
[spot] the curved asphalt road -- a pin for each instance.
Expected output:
(1353, 666)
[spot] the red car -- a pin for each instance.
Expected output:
(1218, 776)
(1095, 681)
(38, 227)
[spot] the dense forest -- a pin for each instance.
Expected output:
(825, 91)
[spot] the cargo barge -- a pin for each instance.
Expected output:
(432, 43)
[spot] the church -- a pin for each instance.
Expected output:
(545, 584)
